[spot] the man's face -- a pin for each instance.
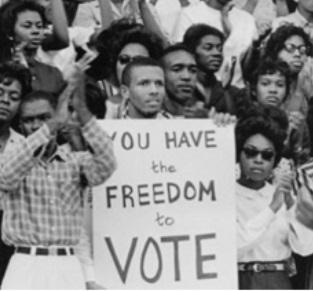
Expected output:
(34, 114)
(180, 75)
(10, 99)
(209, 53)
(146, 91)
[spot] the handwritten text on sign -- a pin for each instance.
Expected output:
(166, 218)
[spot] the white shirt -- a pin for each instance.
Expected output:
(167, 14)
(88, 14)
(263, 235)
(295, 18)
(243, 32)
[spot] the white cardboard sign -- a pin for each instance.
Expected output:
(166, 217)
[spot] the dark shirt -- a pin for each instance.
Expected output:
(224, 100)
(46, 78)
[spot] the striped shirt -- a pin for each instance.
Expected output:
(42, 199)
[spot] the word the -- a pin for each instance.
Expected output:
(159, 167)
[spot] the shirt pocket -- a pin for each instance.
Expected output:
(69, 190)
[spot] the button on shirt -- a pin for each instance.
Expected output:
(42, 200)
(263, 235)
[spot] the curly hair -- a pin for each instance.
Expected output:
(267, 66)
(269, 121)
(12, 71)
(111, 41)
(196, 32)
(276, 41)
(8, 16)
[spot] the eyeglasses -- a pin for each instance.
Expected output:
(267, 155)
(125, 59)
(291, 48)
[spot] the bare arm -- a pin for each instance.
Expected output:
(60, 37)
(106, 13)
(150, 22)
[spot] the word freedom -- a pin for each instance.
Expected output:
(159, 193)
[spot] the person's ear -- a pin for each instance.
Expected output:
(124, 91)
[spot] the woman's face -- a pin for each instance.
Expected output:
(126, 55)
(257, 160)
(271, 89)
(294, 53)
(29, 28)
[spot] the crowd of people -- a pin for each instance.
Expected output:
(64, 64)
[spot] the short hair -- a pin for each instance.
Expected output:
(269, 121)
(180, 46)
(268, 66)
(41, 95)
(276, 41)
(138, 62)
(196, 32)
(13, 71)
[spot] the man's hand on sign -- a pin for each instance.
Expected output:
(92, 285)
(196, 110)
(221, 119)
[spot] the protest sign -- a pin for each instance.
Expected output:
(166, 218)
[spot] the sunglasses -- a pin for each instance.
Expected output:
(291, 48)
(125, 59)
(267, 155)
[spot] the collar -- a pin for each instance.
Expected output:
(124, 112)
(246, 192)
(14, 139)
(61, 154)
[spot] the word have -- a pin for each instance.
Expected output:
(153, 246)
(159, 193)
(130, 141)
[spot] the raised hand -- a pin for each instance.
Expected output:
(18, 55)
(282, 193)
(227, 26)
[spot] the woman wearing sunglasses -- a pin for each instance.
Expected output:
(268, 231)
(119, 45)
